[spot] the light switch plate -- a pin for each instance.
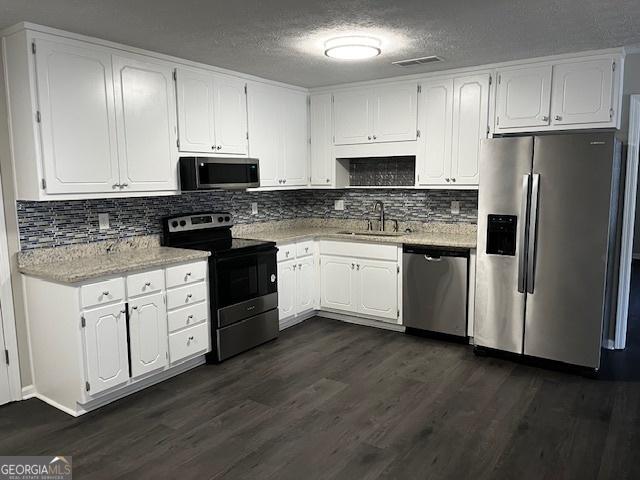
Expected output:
(339, 205)
(254, 208)
(103, 221)
(455, 207)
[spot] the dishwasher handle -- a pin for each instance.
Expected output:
(430, 258)
(435, 254)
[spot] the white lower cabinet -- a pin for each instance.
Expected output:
(297, 285)
(147, 334)
(111, 337)
(105, 347)
(360, 279)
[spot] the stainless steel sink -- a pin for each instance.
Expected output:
(371, 233)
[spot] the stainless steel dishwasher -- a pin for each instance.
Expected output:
(434, 290)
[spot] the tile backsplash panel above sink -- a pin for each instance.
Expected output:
(50, 224)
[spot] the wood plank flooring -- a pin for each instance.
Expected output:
(334, 400)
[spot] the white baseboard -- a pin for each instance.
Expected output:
(28, 392)
(361, 321)
(290, 322)
(57, 405)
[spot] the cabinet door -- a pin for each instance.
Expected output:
(296, 138)
(286, 289)
(305, 285)
(378, 288)
(146, 118)
(265, 132)
(322, 160)
(470, 125)
(434, 144)
(395, 114)
(78, 124)
(230, 107)
(105, 347)
(352, 117)
(582, 92)
(148, 335)
(336, 283)
(195, 111)
(523, 97)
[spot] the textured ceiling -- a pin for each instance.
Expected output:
(282, 39)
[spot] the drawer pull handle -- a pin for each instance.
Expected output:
(147, 284)
(105, 293)
(189, 340)
(134, 307)
(189, 318)
(188, 274)
(189, 295)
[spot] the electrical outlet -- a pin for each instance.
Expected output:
(455, 207)
(338, 205)
(254, 208)
(103, 221)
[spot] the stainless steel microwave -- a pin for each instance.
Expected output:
(206, 173)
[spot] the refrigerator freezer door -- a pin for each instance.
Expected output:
(505, 167)
(564, 313)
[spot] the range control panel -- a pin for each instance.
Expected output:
(200, 221)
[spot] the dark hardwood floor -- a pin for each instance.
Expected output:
(333, 400)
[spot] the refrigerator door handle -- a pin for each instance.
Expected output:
(522, 243)
(533, 226)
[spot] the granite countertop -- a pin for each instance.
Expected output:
(433, 235)
(79, 263)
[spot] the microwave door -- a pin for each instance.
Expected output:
(227, 173)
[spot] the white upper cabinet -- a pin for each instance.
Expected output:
(433, 161)
(583, 92)
(195, 111)
(278, 134)
(559, 95)
(352, 117)
(230, 107)
(322, 158)
(381, 114)
(78, 122)
(212, 113)
(146, 120)
(454, 117)
(470, 125)
(395, 113)
(523, 97)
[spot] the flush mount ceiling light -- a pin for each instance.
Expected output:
(352, 47)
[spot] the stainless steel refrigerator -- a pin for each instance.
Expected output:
(547, 224)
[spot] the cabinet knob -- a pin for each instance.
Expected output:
(374, 137)
(545, 118)
(453, 179)
(135, 307)
(353, 265)
(147, 284)
(358, 267)
(213, 147)
(123, 311)
(328, 180)
(189, 295)
(188, 274)
(115, 185)
(124, 185)
(557, 117)
(369, 137)
(295, 266)
(219, 147)
(284, 181)
(300, 266)
(446, 180)
(105, 293)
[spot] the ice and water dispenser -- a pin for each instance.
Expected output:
(501, 234)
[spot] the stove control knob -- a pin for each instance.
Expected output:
(273, 278)
(220, 219)
(174, 224)
(182, 223)
(226, 219)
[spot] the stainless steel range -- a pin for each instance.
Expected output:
(243, 284)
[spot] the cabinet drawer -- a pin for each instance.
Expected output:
(183, 296)
(188, 316)
(359, 250)
(102, 292)
(286, 252)
(304, 249)
(184, 274)
(145, 282)
(188, 342)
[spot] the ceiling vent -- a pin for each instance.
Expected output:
(417, 61)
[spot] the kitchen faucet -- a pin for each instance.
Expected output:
(375, 209)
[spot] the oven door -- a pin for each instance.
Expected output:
(204, 173)
(246, 285)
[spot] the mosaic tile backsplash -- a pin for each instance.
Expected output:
(50, 224)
